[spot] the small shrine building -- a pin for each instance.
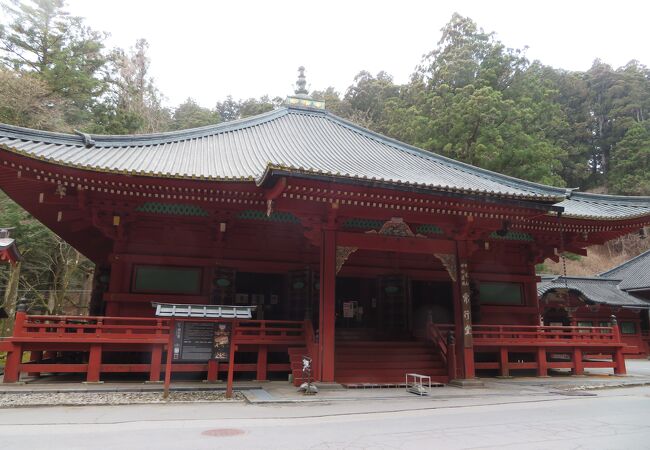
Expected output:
(622, 292)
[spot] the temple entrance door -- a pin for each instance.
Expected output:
(356, 308)
(433, 299)
(302, 296)
(393, 306)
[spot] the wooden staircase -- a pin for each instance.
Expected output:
(386, 362)
(364, 356)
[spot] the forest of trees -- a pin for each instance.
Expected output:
(471, 98)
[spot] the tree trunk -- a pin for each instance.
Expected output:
(11, 297)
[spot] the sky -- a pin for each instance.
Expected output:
(209, 49)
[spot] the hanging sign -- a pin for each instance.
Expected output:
(349, 309)
(466, 305)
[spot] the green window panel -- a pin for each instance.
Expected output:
(499, 293)
(428, 229)
(172, 209)
(251, 214)
(167, 280)
(363, 224)
(513, 236)
(628, 328)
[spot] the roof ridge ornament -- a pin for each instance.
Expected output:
(5, 232)
(88, 140)
(301, 97)
(301, 84)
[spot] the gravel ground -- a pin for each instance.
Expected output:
(109, 398)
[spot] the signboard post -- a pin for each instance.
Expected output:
(198, 341)
(231, 365)
(168, 361)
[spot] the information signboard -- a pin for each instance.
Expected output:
(201, 341)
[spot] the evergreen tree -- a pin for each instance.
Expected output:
(191, 115)
(40, 37)
(630, 172)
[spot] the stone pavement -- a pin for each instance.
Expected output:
(514, 389)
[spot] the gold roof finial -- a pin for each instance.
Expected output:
(301, 96)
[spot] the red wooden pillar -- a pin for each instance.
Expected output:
(15, 355)
(463, 311)
(213, 371)
(94, 363)
(327, 307)
(156, 363)
(619, 359)
(231, 363)
(578, 365)
(35, 357)
(542, 365)
(262, 359)
(504, 366)
(115, 284)
(12, 364)
(168, 359)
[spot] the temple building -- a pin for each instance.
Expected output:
(623, 292)
(368, 255)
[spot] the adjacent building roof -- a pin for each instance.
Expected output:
(634, 274)
(594, 289)
(297, 141)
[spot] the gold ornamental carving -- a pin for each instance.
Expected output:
(342, 255)
(448, 261)
(395, 227)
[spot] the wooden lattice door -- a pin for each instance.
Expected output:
(393, 305)
(302, 298)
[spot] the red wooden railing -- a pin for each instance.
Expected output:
(87, 328)
(46, 336)
(269, 332)
(439, 335)
(542, 341)
(522, 334)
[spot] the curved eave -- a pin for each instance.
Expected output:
(617, 207)
(274, 170)
(551, 203)
(104, 170)
(109, 140)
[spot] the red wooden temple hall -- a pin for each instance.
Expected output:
(372, 249)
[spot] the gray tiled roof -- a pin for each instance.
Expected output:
(297, 142)
(634, 274)
(597, 206)
(597, 290)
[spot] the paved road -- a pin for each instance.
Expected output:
(616, 419)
